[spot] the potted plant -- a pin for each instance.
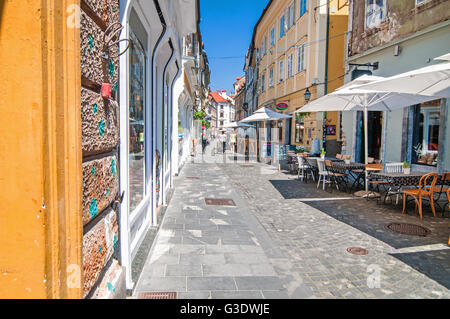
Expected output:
(406, 168)
(322, 153)
(347, 159)
(300, 149)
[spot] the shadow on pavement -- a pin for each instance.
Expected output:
(433, 264)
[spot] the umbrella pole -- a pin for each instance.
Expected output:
(366, 144)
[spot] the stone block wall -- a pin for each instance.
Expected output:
(100, 142)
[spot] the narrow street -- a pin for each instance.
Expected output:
(285, 239)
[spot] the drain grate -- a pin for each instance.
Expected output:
(247, 165)
(157, 295)
(192, 177)
(357, 251)
(408, 229)
(219, 202)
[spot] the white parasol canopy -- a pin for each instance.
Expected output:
(237, 124)
(433, 80)
(351, 97)
(265, 114)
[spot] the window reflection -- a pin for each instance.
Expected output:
(136, 122)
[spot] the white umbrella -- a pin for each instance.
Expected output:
(265, 114)
(237, 124)
(351, 97)
(445, 57)
(433, 80)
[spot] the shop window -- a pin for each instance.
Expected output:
(375, 12)
(427, 118)
(137, 103)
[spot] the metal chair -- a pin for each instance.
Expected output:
(302, 167)
(426, 189)
(373, 181)
(323, 173)
(443, 188)
(337, 176)
(312, 167)
(396, 167)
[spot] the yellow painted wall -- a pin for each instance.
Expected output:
(40, 150)
(338, 25)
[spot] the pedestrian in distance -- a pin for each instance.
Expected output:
(223, 139)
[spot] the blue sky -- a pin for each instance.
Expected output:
(227, 27)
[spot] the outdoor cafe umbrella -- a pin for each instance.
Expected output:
(237, 124)
(351, 97)
(433, 80)
(265, 114)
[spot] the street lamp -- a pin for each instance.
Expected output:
(307, 95)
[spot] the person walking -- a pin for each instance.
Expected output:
(204, 142)
(223, 139)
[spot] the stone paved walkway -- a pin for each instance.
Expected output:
(286, 239)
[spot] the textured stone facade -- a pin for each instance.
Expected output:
(100, 123)
(100, 186)
(99, 244)
(100, 141)
(403, 18)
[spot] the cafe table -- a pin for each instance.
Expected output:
(398, 180)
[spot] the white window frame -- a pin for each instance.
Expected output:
(271, 77)
(301, 58)
(289, 66)
(291, 15)
(281, 71)
(272, 37)
(282, 25)
(305, 7)
(263, 80)
(374, 8)
(420, 2)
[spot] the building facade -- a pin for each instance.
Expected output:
(297, 48)
(402, 36)
(224, 105)
(101, 172)
(239, 98)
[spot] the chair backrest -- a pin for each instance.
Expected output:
(311, 161)
(328, 163)
(339, 156)
(428, 182)
(394, 167)
(374, 166)
(321, 165)
(300, 160)
(448, 197)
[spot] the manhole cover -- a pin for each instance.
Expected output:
(357, 251)
(192, 177)
(157, 295)
(408, 229)
(219, 201)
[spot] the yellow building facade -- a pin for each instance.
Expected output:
(300, 46)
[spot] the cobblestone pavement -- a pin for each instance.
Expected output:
(286, 239)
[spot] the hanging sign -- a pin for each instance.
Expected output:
(282, 106)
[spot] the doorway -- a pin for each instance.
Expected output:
(375, 129)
